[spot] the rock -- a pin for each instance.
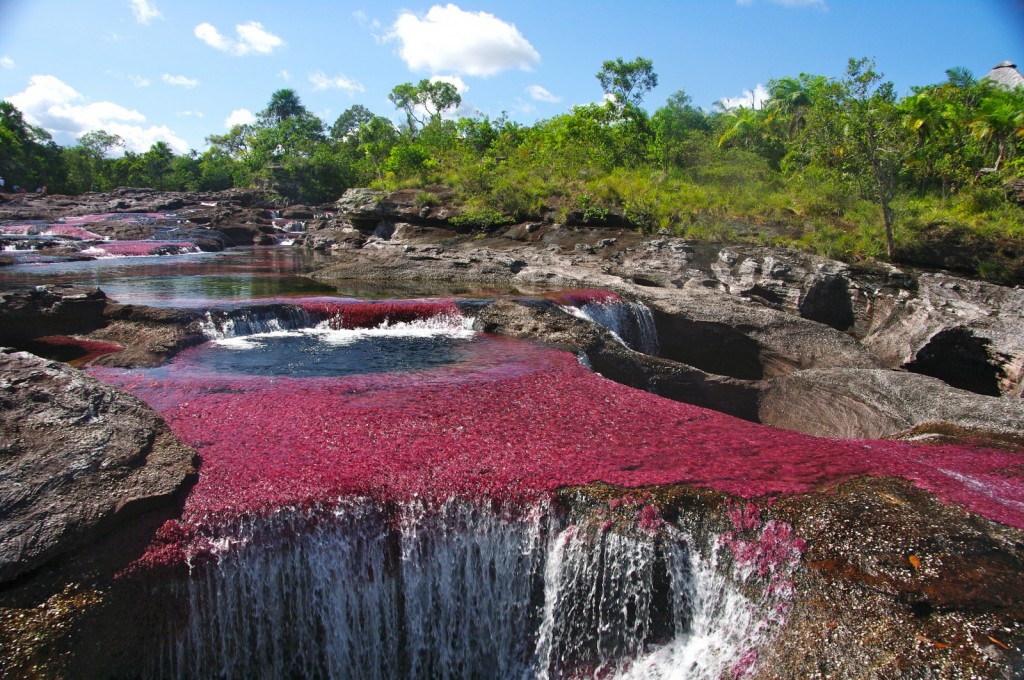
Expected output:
(361, 207)
(875, 403)
(50, 310)
(717, 333)
(967, 333)
(148, 335)
(297, 212)
(862, 609)
(78, 459)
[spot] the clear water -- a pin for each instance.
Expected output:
(203, 279)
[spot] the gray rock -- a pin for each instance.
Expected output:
(77, 459)
(870, 404)
(965, 332)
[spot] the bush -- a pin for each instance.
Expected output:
(484, 219)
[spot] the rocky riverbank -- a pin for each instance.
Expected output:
(892, 581)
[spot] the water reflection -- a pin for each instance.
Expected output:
(197, 280)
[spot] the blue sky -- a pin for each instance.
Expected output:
(179, 70)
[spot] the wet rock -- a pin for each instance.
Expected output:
(896, 584)
(717, 333)
(78, 459)
(873, 403)
(147, 335)
(50, 310)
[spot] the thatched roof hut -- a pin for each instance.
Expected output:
(1006, 74)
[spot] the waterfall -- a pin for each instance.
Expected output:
(460, 590)
(630, 322)
(320, 314)
(234, 323)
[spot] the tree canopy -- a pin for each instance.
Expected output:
(847, 166)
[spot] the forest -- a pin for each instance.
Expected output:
(845, 167)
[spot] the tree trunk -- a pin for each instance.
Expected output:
(887, 216)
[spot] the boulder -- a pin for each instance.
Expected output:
(718, 333)
(874, 403)
(77, 459)
(50, 310)
(967, 333)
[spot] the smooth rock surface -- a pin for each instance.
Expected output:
(77, 459)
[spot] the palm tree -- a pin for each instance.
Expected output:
(1000, 119)
(742, 127)
(793, 97)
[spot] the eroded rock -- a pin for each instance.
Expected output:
(78, 459)
(874, 403)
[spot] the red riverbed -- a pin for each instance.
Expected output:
(514, 426)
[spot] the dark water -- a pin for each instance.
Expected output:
(328, 354)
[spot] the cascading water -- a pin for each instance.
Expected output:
(448, 554)
(218, 325)
(630, 322)
(324, 314)
(458, 590)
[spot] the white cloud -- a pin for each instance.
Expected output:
(540, 94)
(179, 81)
(322, 81)
(144, 11)
(6, 62)
(191, 114)
(57, 107)
(749, 99)
(239, 117)
(252, 39)
(284, 75)
(139, 81)
(470, 43)
(459, 83)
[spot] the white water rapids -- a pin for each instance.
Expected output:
(460, 591)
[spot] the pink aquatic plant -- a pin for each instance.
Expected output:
(71, 231)
(584, 296)
(141, 248)
(517, 428)
(350, 314)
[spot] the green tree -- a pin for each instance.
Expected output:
(28, 155)
(999, 122)
(879, 143)
(347, 125)
(425, 101)
(627, 82)
(283, 104)
(791, 98)
(86, 161)
(680, 132)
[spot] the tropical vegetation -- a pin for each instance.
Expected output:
(843, 166)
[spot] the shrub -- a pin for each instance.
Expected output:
(484, 219)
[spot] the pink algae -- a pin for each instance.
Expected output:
(583, 296)
(349, 314)
(513, 431)
(71, 231)
(143, 248)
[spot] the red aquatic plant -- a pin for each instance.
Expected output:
(584, 296)
(515, 427)
(350, 314)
